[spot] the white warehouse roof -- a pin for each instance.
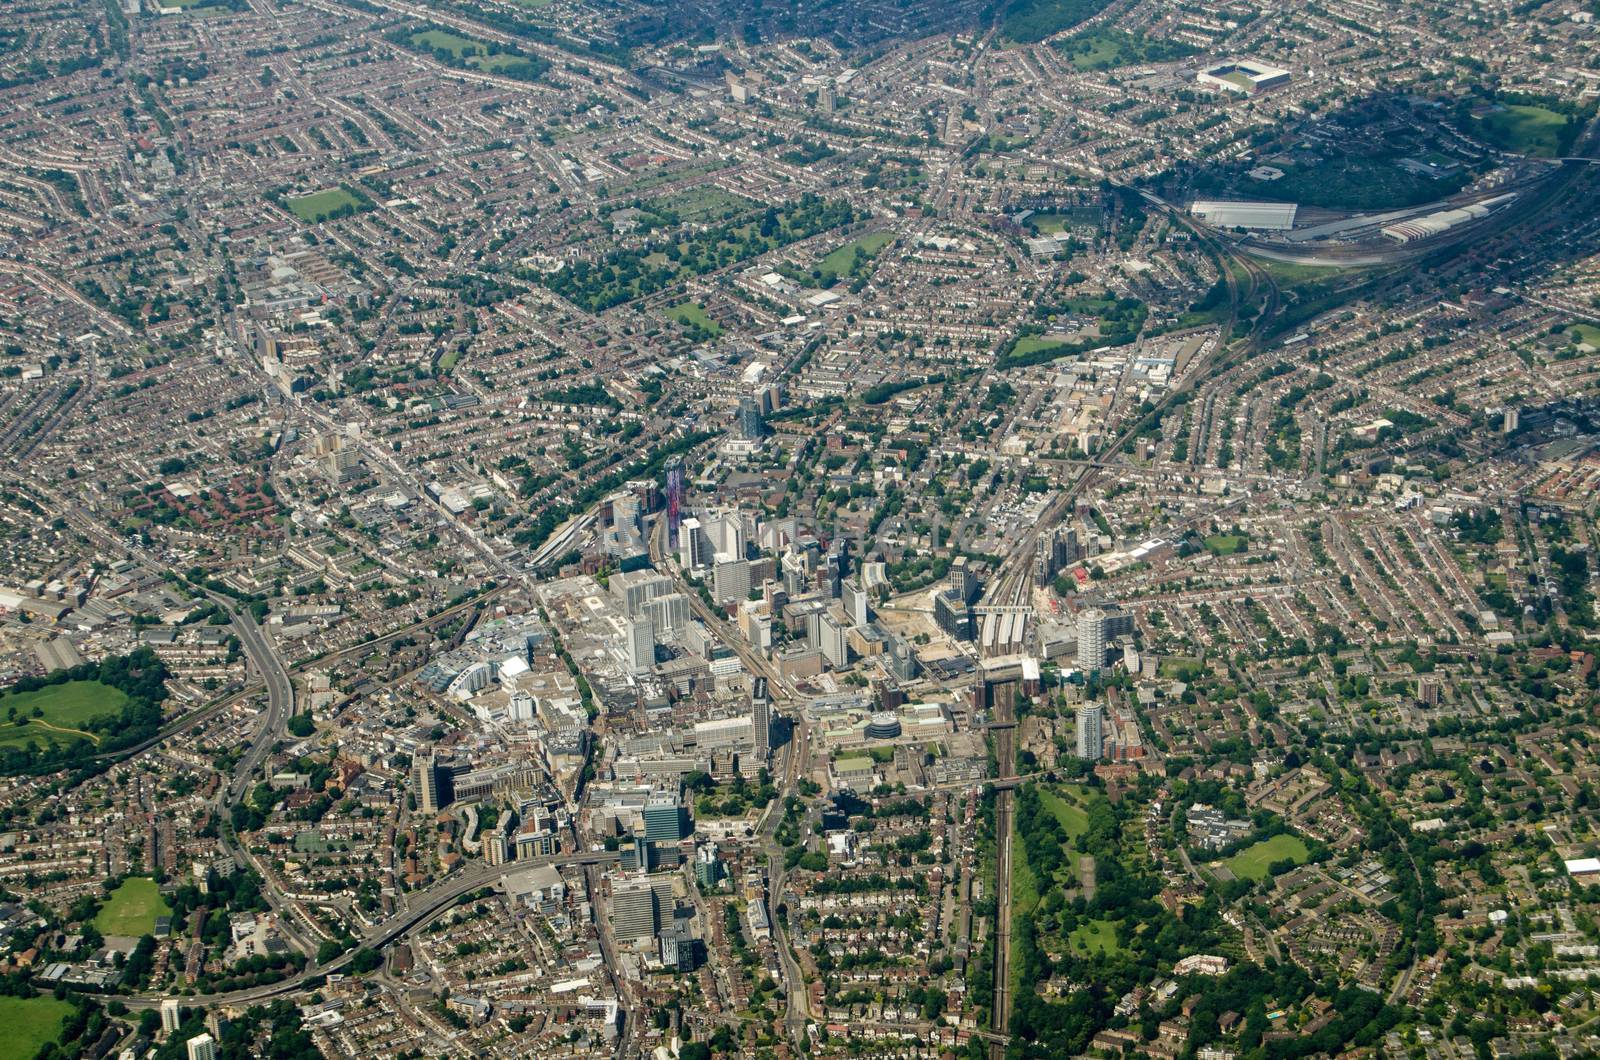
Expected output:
(1268, 216)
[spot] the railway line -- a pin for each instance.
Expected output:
(1246, 286)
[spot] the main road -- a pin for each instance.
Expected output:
(425, 905)
(280, 700)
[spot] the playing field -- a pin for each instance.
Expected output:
(132, 908)
(1586, 333)
(30, 1023)
(1033, 343)
(63, 708)
(839, 261)
(320, 205)
(1252, 862)
(1526, 130)
(1226, 544)
(694, 315)
(444, 40)
(1179, 668)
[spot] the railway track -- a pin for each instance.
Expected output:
(1011, 587)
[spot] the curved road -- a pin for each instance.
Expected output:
(425, 906)
(280, 701)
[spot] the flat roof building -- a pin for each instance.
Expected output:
(1258, 216)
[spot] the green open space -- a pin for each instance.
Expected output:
(1024, 895)
(462, 52)
(317, 843)
(1226, 544)
(1253, 862)
(629, 273)
(1298, 274)
(1055, 222)
(321, 205)
(132, 908)
(699, 204)
(1031, 21)
(1180, 668)
(1354, 182)
(1029, 344)
(1120, 320)
(1096, 936)
(444, 40)
(202, 7)
(693, 315)
(1586, 333)
(62, 709)
(843, 260)
(666, 175)
(1526, 130)
(1103, 48)
(1074, 818)
(30, 1023)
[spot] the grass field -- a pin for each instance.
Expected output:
(1226, 544)
(32, 1022)
(1178, 668)
(132, 908)
(64, 708)
(1097, 52)
(1106, 49)
(1525, 130)
(1586, 333)
(1054, 223)
(839, 261)
(1252, 862)
(694, 315)
(476, 54)
(320, 205)
(1024, 896)
(1294, 274)
(1096, 936)
(444, 40)
(1074, 820)
(1031, 343)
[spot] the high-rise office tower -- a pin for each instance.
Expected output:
(761, 719)
(633, 910)
(666, 820)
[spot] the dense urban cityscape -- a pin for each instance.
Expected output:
(690, 529)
